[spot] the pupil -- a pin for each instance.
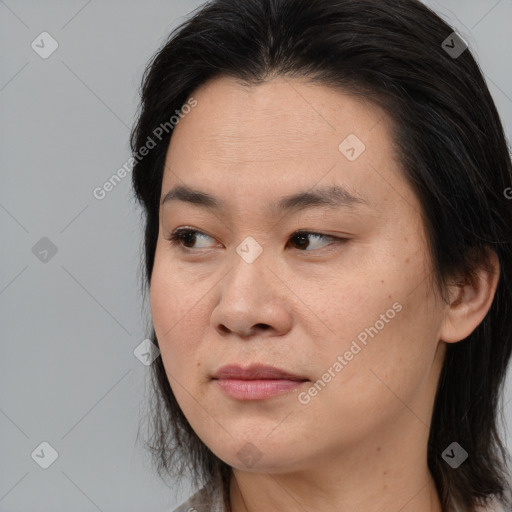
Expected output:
(303, 240)
(188, 238)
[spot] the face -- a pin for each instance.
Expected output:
(345, 307)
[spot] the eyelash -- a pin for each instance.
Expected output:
(176, 237)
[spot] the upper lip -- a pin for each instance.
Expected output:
(254, 371)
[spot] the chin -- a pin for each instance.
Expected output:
(256, 456)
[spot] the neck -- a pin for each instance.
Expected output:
(292, 494)
(388, 474)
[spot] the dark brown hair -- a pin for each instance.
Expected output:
(452, 150)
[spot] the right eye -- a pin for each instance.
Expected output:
(184, 236)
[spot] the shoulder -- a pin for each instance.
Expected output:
(207, 499)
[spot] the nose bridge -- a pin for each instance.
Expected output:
(248, 272)
(250, 294)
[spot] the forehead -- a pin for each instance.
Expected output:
(282, 135)
(282, 116)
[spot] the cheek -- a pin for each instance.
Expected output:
(169, 312)
(389, 356)
(172, 324)
(384, 323)
(180, 309)
(164, 301)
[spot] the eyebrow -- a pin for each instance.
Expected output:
(334, 196)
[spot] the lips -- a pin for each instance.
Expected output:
(255, 372)
(256, 382)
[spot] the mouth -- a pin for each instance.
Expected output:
(256, 382)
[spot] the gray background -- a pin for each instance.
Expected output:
(69, 326)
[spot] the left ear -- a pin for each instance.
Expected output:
(470, 300)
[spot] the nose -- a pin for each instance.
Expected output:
(253, 301)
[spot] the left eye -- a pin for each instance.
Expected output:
(301, 238)
(184, 237)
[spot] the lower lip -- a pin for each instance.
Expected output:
(257, 389)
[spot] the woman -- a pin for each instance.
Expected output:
(328, 256)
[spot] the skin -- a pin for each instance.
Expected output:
(361, 442)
